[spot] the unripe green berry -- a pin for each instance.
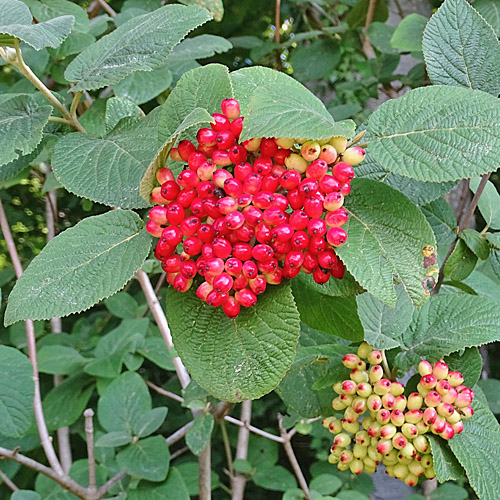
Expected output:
(335, 426)
(362, 438)
(424, 368)
(421, 444)
(383, 386)
(310, 150)
(375, 357)
(416, 468)
(364, 389)
(397, 388)
(353, 156)
(399, 441)
(351, 427)
(369, 463)
(350, 415)
(430, 473)
(427, 461)
(347, 457)
(339, 143)
(359, 405)
(360, 451)
(337, 404)
(388, 431)
(342, 467)
(356, 466)
(296, 162)
(401, 471)
(285, 142)
(342, 439)
(400, 403)
(332, 459)
(364, 349)
(359, 376)
(411, 479)
(337, 387)
(440, 370)
(409, 451)
(415, 401)
(410, 431)
(391, 458)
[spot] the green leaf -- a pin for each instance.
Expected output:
(357, 15)
(449, 323)
(215, 7)
(141, 44)
(271, 102)
(461, 263)
(147, 459)
(16, 392)
(315, 61)
(80, 266)
(200, 47)
(326, 484)
(491, 389)
(489, 203)
(477, 243)
(275, 478)
(21, 120)
(417, 191)
(18, 22)
(461, 48)
(427, 133)
(196, 117)
(114, 439)
(334, 315)
(490, 10)
(380, 36)
(199, 433)
(384, 326)
(441, 218)
(122, 305)
(59, 359)
(477, 449)
(64, 404)
(149, 422)
(190, 472)
(408, 34)
(157, 352)
(469, 363)
(449, 491)
(254, 350)
(122, 404)
(174, 488)
(45, 10)
(385, 241)
(142, 86)
(445, 463)
(120, 157)
(345, 287)
(25, 495)
(14, 169)
(118, 108)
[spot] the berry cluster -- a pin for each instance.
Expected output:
(246, 215)
(393, 431)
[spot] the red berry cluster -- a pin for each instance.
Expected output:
(394, 431)
(250, 214)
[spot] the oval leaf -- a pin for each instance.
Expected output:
(235, 359)
(79, 267)
(437, 134)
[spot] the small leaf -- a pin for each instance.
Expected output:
(449, 491)
(149, 422)
(157, 352)
(122, 305)
(25, 495)
(441, 218)
(84, 264)
(385, 241)
(59, 359)
(174, 488)
(122, 404)
(326, 484)
(384, 326)
(408, 34)
(448, 323)
(461, 263)
(476, 243)
(200, 47)
(254, 350)
(18, 22)
(199, 433)
(461, 48)
(315, 61)
(16, 392)
(445, 463)
(147, 459)
(271, 102)
(477, 449)
(380, 36)
(118, 108)
(275, 478)
(142, 43)
(21, 120)
(114, 439)
(491, 389)
(427, 133)
(489, 203)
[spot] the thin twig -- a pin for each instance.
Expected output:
(367, 45)
(205, 473)
(74, 103)
(161, 321)
(238, 480)
(293, 459)
(385, 365)
(45, 439)
(293, 431)
(6, 479)
(107, 8)
(227, 447)
(165, 393)
(253, 429)
(400, 9)
(179, 452)
(277, 34)
(179, 433)
(465, 196)
(109, 484)
(324, 12)
(89, 435)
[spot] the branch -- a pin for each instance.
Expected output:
(253, 429)
(227, 447)
(205, 473)
(8, 482)
(45, 439)
(463, 223)
(239, 480)
(277, 34)
(293, 459)
(89, 434)
(179, 433)
(165, 393)
(367, 45)
(107, 8)
(108, 484)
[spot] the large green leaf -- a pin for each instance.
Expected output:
(174, 488)
(477, 449)
(121, 158)
(146, 459)
(445, 463)
(334, 315)
(276, 105)
(449, 323)
(384, 326)
(123, 402)
(21, 123)
(461, 48)
(408, 34)
(315, 61)
(235, 359)
(141, 44)
(16, 392)
(438, 133)
(441, 218)
(79, 267)
(461, 262)
(386, 235)
(45, 10)
(199, 47)
(199, 433)
(489, 203)
(59, 359)
(275, 478)
(490, 10)
(9, 171)
(18, 22)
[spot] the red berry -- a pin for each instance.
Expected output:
(231, 307)
(221, 158)
(262, 253)
(316, 227)
(258, 284)
(242, 170)
(236, 126)
(190, 225)
(268, 147)
(252, 183)
(233, 187)
(170, 190)
(242, 251)
(250, 269)
(233, 266)
(192, 245)
(328, 184)
(343, 172)
(238, 154)
(221, 122)
(223, 283)
(206, 136)
(196, 160)
(164, 175)
(337, 218)
(185, 149)
(246, 297)
(263, 165)
(231, 108)
(172, 235)
(313, 207)
(336, 236)
(186, 197)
